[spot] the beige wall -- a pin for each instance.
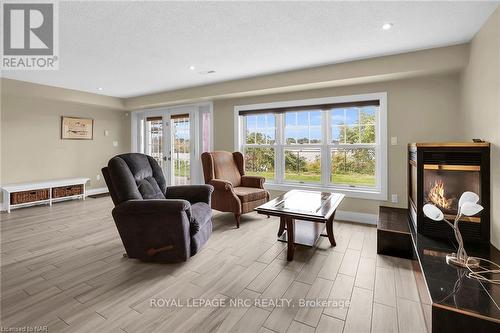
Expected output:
(480, 94)
(419, 109)
(31, 146)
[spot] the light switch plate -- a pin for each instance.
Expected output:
(115, 143)
(106, 133)
(394, 140)
(394, 198)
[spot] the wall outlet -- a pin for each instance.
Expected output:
(106, 133)
(394, 198)
(394, 140)
(98, 177)
(115, 143)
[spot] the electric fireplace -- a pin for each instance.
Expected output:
(439, 173)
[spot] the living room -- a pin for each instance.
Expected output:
(250, 166)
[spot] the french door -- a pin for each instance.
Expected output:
(175, 137)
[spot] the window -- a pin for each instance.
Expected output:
(335, 144)
(259, 147)
(181, 148)
(352, 147)
(303, 146)
(154, 138)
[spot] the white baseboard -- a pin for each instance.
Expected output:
(344, 215)
(94, 191)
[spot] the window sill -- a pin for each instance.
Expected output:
(358, 193)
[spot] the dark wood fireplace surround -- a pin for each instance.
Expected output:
(452, 160)
(454, 303)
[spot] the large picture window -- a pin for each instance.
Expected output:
(353, 143)
(330, 143)
(259, 147)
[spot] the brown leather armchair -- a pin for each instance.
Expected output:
(233, 191)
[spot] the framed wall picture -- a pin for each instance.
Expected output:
(73, 128)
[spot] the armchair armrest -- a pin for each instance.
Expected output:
(191, 193)
(224, 198)
(221, 185)
(253, 181)
(151, 207)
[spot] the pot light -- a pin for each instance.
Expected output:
(192, 67)
(387, 26)
(100, 89)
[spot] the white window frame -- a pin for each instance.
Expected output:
(376, 193)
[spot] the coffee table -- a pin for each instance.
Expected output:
(296, 210)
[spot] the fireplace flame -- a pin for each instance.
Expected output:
(437, 195)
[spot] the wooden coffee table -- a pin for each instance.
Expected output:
(296, 210)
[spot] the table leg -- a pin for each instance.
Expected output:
(329, 231)
(282, 226)
(290, 238)
(6, 198)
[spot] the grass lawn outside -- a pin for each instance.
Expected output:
(303, 177)
(267, 175)
(353, 179)
(181, 171)
(341, 179)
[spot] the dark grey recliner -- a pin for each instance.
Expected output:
(156, 222)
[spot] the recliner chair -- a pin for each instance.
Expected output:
(156, 222)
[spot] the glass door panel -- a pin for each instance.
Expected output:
(154, 139)
(175, 138)
(181, 149)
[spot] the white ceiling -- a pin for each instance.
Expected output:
(134, 48)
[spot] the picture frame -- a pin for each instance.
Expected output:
(76, 128)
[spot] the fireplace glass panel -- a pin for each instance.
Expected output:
(444, 188)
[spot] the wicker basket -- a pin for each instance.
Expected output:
(17, 198)
(67, 191)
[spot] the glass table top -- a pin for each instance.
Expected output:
(303, 202)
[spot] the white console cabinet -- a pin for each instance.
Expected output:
(44, 192)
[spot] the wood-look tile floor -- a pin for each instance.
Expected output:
(62, 266)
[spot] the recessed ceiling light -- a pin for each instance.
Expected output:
(100, 89)
(387, 26)
(192, 67)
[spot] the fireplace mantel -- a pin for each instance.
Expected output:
(449, 144)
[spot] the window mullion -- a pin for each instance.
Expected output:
(325, 160)
(243, 134)
(279, 159)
